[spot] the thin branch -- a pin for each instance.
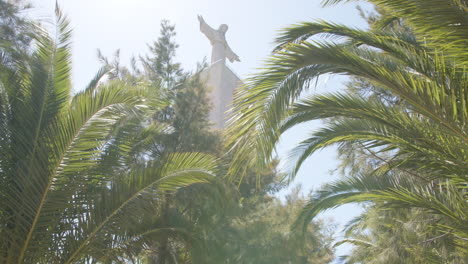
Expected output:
(435, 238)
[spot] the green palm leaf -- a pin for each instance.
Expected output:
(379, 126)
(394, 191)
(442, 23)
(261, 106)
(180, 170)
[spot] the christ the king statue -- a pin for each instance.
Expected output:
(221, 49)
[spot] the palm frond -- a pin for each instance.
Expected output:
(378, 126)
(441, 23)
(261, 106)
(393, 191)
(179, 170)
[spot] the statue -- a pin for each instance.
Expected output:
(221, 49)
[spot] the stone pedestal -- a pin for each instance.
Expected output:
(221, 83)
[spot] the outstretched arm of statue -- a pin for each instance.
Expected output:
(231, 55)
(200, 18)
(235, 58)
(205, 28)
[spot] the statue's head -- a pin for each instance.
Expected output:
(223, 28)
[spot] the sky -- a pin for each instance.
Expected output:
(129, 25)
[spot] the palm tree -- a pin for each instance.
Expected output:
(55, 205)
(424, 136)
(432, 84)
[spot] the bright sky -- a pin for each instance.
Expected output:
(129, 25)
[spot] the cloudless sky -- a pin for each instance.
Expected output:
(129, 25)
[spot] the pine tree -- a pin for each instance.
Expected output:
(159, 65)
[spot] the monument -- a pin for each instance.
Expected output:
(220, 80)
